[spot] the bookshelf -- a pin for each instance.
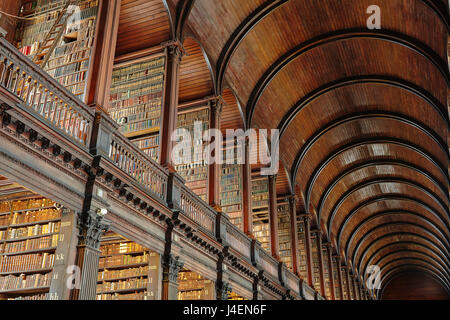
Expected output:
(136, 101)
(260, 211)
(284, 237)
(344, 284)
(69, 62)
(127, 270)
(337, 292)
(315, 268)
(326, 273)
(195, 170)
(192, 286)
(235, 297)
(231, 188)
(302, 251)
(29, 232)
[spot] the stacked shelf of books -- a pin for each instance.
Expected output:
(231, 189)
(326, 273)
(192, 286)
(260, 209)
(235, 296)
(29, 231)
(344, 284)
(315, 268)
(302, 263)
(136, 102)
(69, 62)
(337, 292)
(123, 269)
(194, 170)
(284, 238)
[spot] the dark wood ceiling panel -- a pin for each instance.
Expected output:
(326, 64)
(231, 114)
(143, 24)
(299, 21)
(195, 75)
(414, 286)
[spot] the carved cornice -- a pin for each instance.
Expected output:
(91, 226)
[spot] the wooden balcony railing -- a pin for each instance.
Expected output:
(238, 240)
(138, 165)
(196, 209)
(44, 97)
(291, 280)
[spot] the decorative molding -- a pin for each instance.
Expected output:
(91, 227)
(172, 266)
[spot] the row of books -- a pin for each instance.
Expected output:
(69, 69)
(26, 262)
(30, 244)
(192, 286)
(122, 247)
(32, 204)
(35, 216)
(121, 78)
(43, 296)
(5, 206)
(105, 275)
(130, 71)
(4, 219)
(113, 261)
(23, 281)
(149, 142)
(151, 88)
(68, 58)
(36, 230)
(135, 101)
(139, 126)
(72, 49)
(132, 283)
(147, 108)
(129, 296)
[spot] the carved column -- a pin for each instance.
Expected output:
(102, 59)
(331, 270)
(171, 267)
(91, 226)
(223, 288)
(273, 217)
(247, 192)
(294, 234)
(347, 275)
(318, 237)
(309, 258)
(339, 274)
(215, 112)
(170, 104)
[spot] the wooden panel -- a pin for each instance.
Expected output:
(143, 24)
(414, 286)
(195, 76)
(231, 114)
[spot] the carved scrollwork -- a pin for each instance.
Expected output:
(91, 226)
(172, 266)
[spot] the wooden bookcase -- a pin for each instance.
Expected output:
(231, 189)
(192, 286)
(315, 267)
(284, 237)
(337, 292)
(260, 208)
(29, 231)
(136, 101)
(69, 62)
(326, 273)
(195, 172)
(302, 251)
(127, 270)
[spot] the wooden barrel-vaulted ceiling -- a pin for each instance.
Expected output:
(363, 114)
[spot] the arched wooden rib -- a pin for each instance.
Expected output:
(358, 167)
(384, 35)
(363, 142)
(444, 255)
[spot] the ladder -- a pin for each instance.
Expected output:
(51, 40)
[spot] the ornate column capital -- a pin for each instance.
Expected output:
(91, 226)
(216, 105)
(174, 49)
(292, 199)
(172, 265)
(222, 290)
